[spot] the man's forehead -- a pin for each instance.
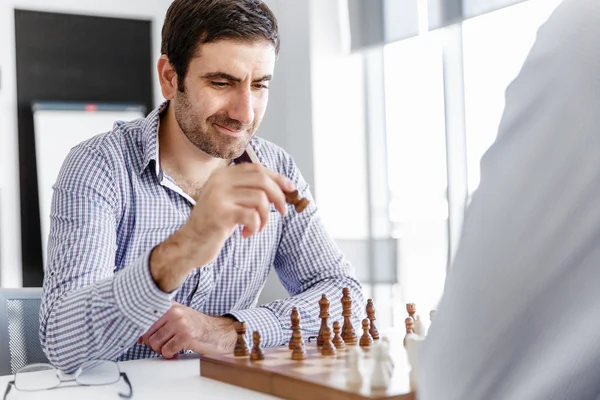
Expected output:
(257, 57)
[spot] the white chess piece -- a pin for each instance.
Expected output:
(419, 327)
(413, 346)
(354, 369)
(381, 374)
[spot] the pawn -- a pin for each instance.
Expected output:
(431, 315)
(365, 339)
(411, 309)
(256, 353)
(338, 342)
(241, 347)
(328, 349)
(298, 354)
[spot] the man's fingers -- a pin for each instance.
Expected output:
(256, 199)
(161, 337)
(248, 217)
(155, 327)
(272, 183)
(172, 348)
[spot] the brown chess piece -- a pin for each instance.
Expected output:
(298, 202)
(328, 349)
(298, 353)
(409, 322)
(371, 315)
(241, 347)
(256, 353)
(411, 309)
(295, 319)
(324, 315)
(365, 339)
(348, 333)
(338, 342)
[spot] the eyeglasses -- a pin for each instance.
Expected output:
(37, 377)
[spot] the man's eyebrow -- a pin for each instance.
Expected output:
(223, 75)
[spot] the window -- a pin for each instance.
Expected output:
(495, 45)
(415, 125)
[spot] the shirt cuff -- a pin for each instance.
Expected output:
(137, 295)
(265, 322)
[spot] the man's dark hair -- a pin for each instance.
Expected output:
(190, 23)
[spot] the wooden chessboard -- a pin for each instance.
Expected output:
(317, 377)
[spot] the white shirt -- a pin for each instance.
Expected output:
(520, 315)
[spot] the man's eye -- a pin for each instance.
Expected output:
(261, 87)
(219, 84)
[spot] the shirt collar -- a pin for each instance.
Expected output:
(150, 139)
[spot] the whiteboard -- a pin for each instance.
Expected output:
(58, 128)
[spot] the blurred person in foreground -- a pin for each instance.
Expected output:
(160, 240)
(519, 316)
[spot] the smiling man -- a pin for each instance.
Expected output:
(160, 241)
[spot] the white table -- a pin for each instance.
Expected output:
(151, 379)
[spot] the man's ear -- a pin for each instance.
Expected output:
(167, 77)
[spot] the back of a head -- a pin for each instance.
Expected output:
(190, 23)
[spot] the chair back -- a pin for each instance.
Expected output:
(19, 329)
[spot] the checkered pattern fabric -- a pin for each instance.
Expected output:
(112, 204)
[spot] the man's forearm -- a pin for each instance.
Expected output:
(172, 260)
(103, 320)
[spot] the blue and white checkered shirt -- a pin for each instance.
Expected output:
(112, 204)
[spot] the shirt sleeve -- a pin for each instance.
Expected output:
(88, 311)
(308, 264)
(518, 316)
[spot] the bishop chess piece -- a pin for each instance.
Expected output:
(299, 353)
(365, 339)
(295, 319)
(324, 315)
(256, 353)
(348, 333)
(371, 315)
(241, 347)
(338, 342)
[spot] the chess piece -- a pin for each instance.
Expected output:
(381, 375)
(371, 315)
(294, 199)
(348, 333)
(256, 353)
(324, 315)
(413, 346)
(338, 342)
(328, 349)
(241, 347)
(354, 374)
(409, 322)
(411, 309)
(365, 339)
(419, 326)
(295, 319)
(431, 315)
(299, 353)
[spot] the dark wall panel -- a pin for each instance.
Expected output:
(65, 57)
